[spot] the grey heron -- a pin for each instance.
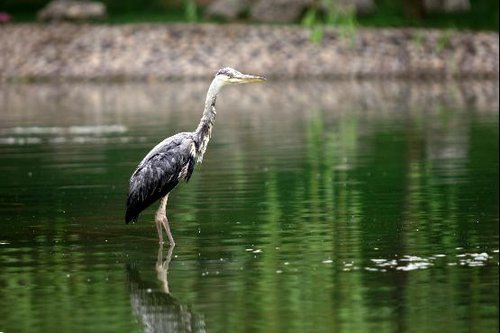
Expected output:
(173, 159)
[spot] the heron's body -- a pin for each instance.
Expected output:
(173, 159)
(169, 163)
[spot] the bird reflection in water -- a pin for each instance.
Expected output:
(159, 311)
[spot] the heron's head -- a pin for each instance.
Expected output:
(228, 75)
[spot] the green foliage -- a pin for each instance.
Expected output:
(190, 11)
(444, 40)
(483, 15)
(330, 14)
(418, 38)
(312, 22)
(310, 19)
(348, 25)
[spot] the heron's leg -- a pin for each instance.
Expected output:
(161, 215)
(167, 229)
(159, 222)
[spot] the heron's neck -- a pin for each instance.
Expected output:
(204, 129)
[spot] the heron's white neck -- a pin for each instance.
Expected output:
(204, 130)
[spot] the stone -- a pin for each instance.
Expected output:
(184, 51)
(72, 10)
(228, 10)
(4, 18)
(446, 6)
(346, 7)
(364, 7)
(279, 11)
(288, 11)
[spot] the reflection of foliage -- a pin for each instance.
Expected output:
(314, 197)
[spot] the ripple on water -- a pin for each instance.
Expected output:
(411, 263)
(34, 135)
(75, 130)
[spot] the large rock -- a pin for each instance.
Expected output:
(287, 11)
(447, 6)
(4, 18)
(227, 9)
(72, 10)
(182, 51)
(279, 11)
(361, 7)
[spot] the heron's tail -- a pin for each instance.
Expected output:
(133, 210)
(130, 215)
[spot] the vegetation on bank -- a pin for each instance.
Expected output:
(483, 14)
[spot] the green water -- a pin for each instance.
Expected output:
(319, 207)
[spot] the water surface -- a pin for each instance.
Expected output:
(319, 207)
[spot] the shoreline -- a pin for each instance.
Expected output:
(178, 52)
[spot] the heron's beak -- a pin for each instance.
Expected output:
(244, 78)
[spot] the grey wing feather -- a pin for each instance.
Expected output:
(159, 172)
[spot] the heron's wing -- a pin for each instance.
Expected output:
(158, 174)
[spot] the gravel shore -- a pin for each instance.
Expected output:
(182, 51)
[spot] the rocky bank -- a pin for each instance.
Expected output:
(182, 51)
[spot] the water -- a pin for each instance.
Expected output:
(319, 207)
